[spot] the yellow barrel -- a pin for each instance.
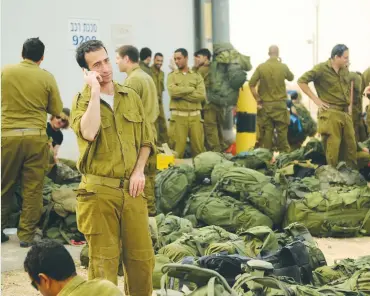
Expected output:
(246, 120)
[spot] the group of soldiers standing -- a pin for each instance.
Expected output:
(338, 96)
(119, 127)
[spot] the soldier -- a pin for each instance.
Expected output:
(115, 142)
(187, 92)
(271, 98)
(53, 272)
(127, 59)
(28, 94)
(365, 84)
(53, 130)
(332, 83)
(196, 62)
(358, 124)
(158, 77)
(213, 114)
(145, 59)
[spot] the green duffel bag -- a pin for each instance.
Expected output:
(252, 285)
(196, 243)
(341, 175)
(230, 247)
(359, 282)
(259, 240)
(64, 230)
(239, 179)
(255, 188)
(172, 186)
(340, 270)
(205, 162)
(268, 199)
(220, 169)
(337, 212)
(230, 214)
(299, 188)
(259, 158)
(195, 201)
(207, 282)
(160, 261)
(171, 228)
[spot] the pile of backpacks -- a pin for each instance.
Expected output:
(242, 225)
(239, 225)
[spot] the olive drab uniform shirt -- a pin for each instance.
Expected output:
(357, 91)
(122, 133)
(144, 86)
(271, 76)
(98, 287)
(332, 88)
(28, 94)
(158, 78)
(204, 72)
(187, 90)
(145, 68)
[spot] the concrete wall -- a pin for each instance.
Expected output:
(162, 25)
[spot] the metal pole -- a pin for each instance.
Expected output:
(221, 33)
(221, 25)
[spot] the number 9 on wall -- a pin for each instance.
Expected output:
(78, 39)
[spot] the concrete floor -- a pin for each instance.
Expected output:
(12, 255)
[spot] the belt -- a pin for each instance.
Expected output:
(23, 132)
(339, 108)
(105, 181)
(185, 113)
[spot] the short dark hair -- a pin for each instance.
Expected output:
(158, 54)
(294, 95)
(204, 52)
(145, 52)
(33, 49)
(338, 50)
(196, 54)
(50, 258)
(183, 51)
(128, 50)
(86, 47)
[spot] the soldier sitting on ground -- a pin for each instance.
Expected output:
(53, 272)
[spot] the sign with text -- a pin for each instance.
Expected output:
(82, 30)
(121, 35)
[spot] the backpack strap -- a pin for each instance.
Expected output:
(211, 287)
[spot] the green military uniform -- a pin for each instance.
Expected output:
(28, 94)
(358, 123)
(145, 68)
(365, 83)
(107, 215)
(335, 124)
(271, 76)
(213, 116)
(187, 92)
(161, 124)
(80, 287)
(259, 128)
(144, 86)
